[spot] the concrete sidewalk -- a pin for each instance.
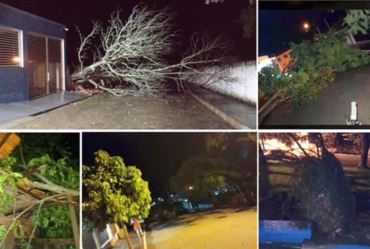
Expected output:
(23, 109)
(236, 113)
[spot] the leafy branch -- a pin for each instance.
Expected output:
(57, 178)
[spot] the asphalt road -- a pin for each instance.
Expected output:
(104, 111)
(332, 105)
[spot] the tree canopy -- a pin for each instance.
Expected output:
(113, 192)
(227, 165)
(358, 21)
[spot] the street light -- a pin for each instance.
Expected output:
(191, 187)
(306, 26)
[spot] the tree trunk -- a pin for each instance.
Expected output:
(263, 174)
(127, 237)
(365, 145)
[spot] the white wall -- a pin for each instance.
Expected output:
(239, 81)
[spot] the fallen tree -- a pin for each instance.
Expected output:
(34, 189)
(131, 56)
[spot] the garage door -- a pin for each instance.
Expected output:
(36, 63)
(54, 64)
(44, 65)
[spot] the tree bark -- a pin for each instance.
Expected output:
(74, 222)
(53, 188)
(365, 145)
(263, 174)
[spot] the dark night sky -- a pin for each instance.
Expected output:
(279, 27)
(158, 155)
(280, 21)
(191, 16)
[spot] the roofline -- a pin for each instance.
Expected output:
(32, 15)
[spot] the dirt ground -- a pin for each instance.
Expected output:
(104, 111)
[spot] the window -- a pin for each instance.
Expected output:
(10, 47)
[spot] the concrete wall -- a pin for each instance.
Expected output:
(239, 81)
(13, 80)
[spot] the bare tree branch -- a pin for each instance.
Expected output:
(85, 42)
(131, 55)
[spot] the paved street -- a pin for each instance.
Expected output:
(226, 229)
(105, 111)
(332, 105)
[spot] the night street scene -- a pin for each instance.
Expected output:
(39, 190)
(169, 190)
(132, 64)
(314, 64)
(314, 190)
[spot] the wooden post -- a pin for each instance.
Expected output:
(127, 237)
(144, 240)
(75, 226)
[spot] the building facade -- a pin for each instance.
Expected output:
(32, 55)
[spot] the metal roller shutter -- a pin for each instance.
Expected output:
(9, 47)
(37, 66)
(54, 64)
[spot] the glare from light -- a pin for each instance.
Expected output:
(16, 59)
(191, 187)
(306, 26)
(273, 144)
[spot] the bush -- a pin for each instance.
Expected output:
(230, 199)
(166, 211)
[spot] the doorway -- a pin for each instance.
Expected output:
(44, 63)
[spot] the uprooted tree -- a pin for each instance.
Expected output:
(130, 57)
(320, 191)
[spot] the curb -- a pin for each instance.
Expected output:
(228, 119)
(60, 106)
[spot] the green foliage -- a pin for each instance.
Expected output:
(23, 244)
(271, 80)
(230, 199)
(38, 154)
(114, 192)
(8, 180)
(2, 231)
(165, 211)
(53, 222)
(56, 145)
(358, 21)
(59, 171)
(198, 178)
(328, 51)
(316, 65)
